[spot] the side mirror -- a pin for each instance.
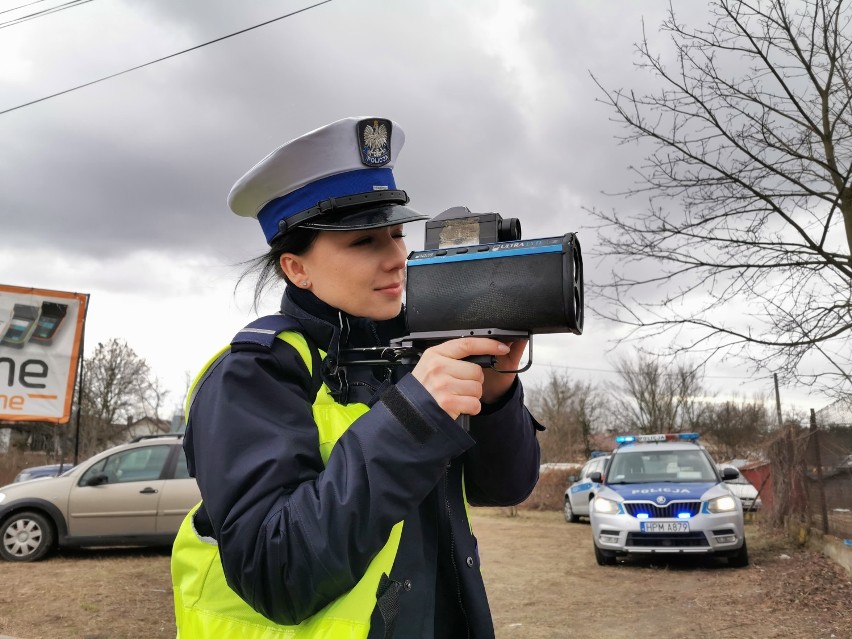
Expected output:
(97, 480)
(729, 473)
(596, 477)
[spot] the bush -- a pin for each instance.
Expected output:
(550, 491)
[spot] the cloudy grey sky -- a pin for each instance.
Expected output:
(118, 189)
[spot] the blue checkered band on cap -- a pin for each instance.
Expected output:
(342, 184)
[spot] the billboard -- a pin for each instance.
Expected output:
(41, 333)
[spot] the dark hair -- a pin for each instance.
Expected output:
(268, 266)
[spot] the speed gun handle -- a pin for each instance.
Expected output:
(486, 361)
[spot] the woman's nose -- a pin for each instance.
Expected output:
(396, 255)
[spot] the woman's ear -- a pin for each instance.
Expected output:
(293, 268)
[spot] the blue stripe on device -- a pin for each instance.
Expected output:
(484, 255)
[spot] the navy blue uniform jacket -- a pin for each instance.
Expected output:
(295, 534)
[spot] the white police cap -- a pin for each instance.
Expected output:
(338, 177)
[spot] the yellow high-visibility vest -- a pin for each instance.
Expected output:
(206, 607)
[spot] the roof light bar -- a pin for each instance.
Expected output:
(659, 437)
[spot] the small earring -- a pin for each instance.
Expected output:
(305, 283)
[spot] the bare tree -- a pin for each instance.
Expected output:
(118, 387)
(550, 402)
(658, 397)
(737, 429)
(591, 411)
(572, 412)
(750, 199)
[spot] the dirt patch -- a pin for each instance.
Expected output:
(542, 579)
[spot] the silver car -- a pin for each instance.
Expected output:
(582, 489)
(664, 495)
(136, 494)
(745, 491)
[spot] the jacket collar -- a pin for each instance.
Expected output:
(320, 321)
(332, 329)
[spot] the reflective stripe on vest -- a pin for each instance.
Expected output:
(206, 607)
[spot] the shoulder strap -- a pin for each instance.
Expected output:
(261, 334)
(263, 331)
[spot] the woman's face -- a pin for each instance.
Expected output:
(359, 272)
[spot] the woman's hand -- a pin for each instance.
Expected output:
(497, 384)
(458, 386)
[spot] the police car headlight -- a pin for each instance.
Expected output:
(722, 505)
(605, 506)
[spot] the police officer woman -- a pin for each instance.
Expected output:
(335, 498)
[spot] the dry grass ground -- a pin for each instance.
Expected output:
(542, 580)
(543, 583)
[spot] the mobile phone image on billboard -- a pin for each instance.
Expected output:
(52, 315)
(5, 319)
(21, 326)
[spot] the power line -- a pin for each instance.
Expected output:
(41, 14)
(173, 55)
(20, 7)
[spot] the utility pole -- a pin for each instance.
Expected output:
(777, 399)
(818, 463)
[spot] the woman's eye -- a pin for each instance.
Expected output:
(370, 239)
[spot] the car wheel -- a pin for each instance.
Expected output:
(570, 517)
(26, 536)
(603, 557)
(740, 558)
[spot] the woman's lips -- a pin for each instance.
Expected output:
(392, 290)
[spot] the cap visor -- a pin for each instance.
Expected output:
(372, 218)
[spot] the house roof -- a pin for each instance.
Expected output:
(838, 412)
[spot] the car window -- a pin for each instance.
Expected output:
(181, 470)
(96, 469)
(661, 466)
(136, 464)
(140, 464)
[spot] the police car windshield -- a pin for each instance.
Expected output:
(631, 467)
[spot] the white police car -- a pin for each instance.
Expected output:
(662, 494)
(582, 489)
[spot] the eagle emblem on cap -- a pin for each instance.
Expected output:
(374, 140)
